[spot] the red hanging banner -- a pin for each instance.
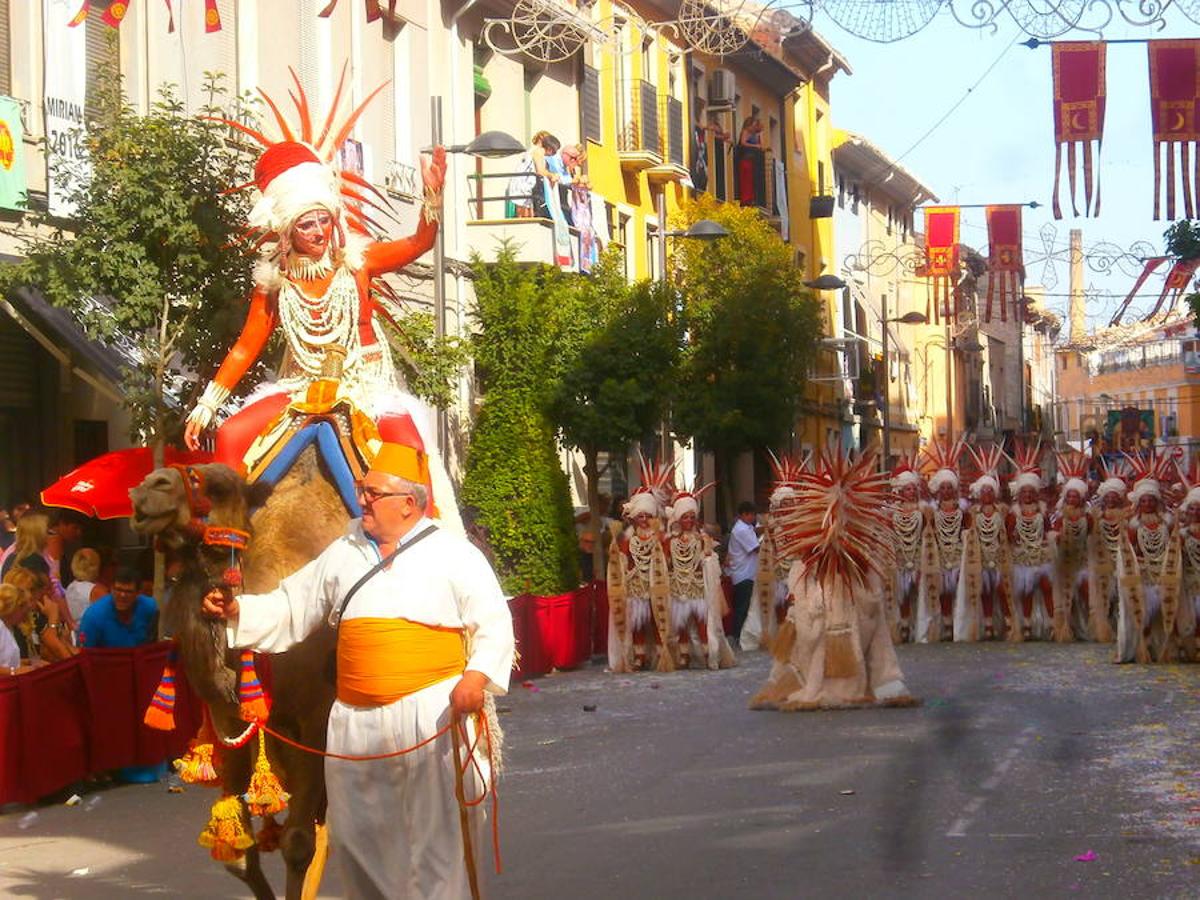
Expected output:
(1006, 262)
(1178, 279)
(116, 13)
(941, 259)
(1079, 96)
(1151, 265)
(1174, 104)
(212, 16)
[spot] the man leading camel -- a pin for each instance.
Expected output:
(419, 642)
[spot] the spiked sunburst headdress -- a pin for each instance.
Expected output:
(1114, 480)
(1072, 474)
(787, 472)
(687, 501)
(840, 525)
(301, 172)
(905, 472)
(1150, 473)
(1029, 469)
(1191, 481)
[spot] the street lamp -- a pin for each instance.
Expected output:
(826, 282)
(909, 318)
(489, 145)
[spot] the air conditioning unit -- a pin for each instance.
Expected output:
(722, 88)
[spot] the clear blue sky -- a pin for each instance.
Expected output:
(998, 146)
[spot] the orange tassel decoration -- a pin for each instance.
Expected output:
(268, 836)
(199, 764)
(225, 834)
(160, 714)
(252, 700)
(265, 796)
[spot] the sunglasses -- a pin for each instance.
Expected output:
(374, 495)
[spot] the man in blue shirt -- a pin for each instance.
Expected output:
(123, 618)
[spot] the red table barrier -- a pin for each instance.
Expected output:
(62, 722)
(555, 632)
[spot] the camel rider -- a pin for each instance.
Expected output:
(419, 643)
(319, 284)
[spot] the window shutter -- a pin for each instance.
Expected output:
(103, 61)
(589, 104)
(5, 51)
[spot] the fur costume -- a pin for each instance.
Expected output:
(835, 650)
(1027, 532)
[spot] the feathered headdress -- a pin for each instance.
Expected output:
(1072, 474)
(1115, 479)
(941, 459)
(687, 501)
(905, 472)
(840, 524)
(1029, 468)
(655, 491)
(988, 463)
(301, 172)
(1191, 481)
(1150, 473)
(787, 472)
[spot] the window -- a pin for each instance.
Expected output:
(589, 104)
(102, 53)
(5, 50)
(719, 169)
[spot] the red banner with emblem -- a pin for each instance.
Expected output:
(941, 259)
(116, 12)
(1079, 99)
(1174, 103)
(1006, 262)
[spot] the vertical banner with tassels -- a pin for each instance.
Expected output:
(941, 258)
(1174, 98)
(212, 16)
(1006, 264)
(1079, 96)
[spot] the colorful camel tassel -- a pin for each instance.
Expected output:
(225, 834)
(265, 796)
(160, 714)
(252, 700)
(199, 764)
(268, 836)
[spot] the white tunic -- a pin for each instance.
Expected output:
(394, 823)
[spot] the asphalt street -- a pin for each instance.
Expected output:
(1030, 771)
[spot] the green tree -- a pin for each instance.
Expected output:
(616, 389)
(152, 256)
(753, 335)
(531, 322)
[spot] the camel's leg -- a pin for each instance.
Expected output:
(249, 871)
(298, 844)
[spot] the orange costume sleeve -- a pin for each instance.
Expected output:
(260, 323)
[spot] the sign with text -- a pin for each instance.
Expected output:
(65, 95)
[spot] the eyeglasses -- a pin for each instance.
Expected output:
(374, 495)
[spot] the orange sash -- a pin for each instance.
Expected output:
(381, 660)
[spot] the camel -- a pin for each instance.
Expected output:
(291, 525)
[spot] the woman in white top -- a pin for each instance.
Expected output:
(84, 590)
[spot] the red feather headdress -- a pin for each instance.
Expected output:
(655, 491)
(839, 525)
(940, 459)
(987, 462)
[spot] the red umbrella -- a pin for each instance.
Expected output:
(100, 487)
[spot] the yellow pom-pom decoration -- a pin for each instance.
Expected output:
(225, 834)
(265, 796)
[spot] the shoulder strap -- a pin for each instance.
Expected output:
(335, 618)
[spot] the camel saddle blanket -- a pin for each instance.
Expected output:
(379, 661)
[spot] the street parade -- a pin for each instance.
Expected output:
(440, 444)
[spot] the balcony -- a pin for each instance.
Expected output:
(490, 225)
(754, 180)
(639, 145)
(671, 141)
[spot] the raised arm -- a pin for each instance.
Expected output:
(388, 256)
(260, 323)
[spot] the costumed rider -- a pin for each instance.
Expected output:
(771, 598)
(985, 583)
(1033, 594)
(639, 590)
(319, 283)
(834, 649)
(1189, 545)
(909, 527)
(696, 596)
(1070, 532)
(1110, 517)
(1148, 569)
(942, 546)
(423, 642)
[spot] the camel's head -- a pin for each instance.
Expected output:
(171, 501)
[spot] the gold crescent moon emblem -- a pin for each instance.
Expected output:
(1179, 122)
(1075, 126)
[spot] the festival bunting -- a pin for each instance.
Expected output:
(374, 9)
(1174, 100)
(1150, 266)
(1006, 264)
(116, 12)
(1178, 279)
(941, 259)
(1079, 97)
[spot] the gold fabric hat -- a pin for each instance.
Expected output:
(402, 461)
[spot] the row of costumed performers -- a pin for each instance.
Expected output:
(665, 601)
(1080, 560)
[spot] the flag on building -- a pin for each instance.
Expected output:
(1174, 98)
(1006, 264)
(941, 259)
